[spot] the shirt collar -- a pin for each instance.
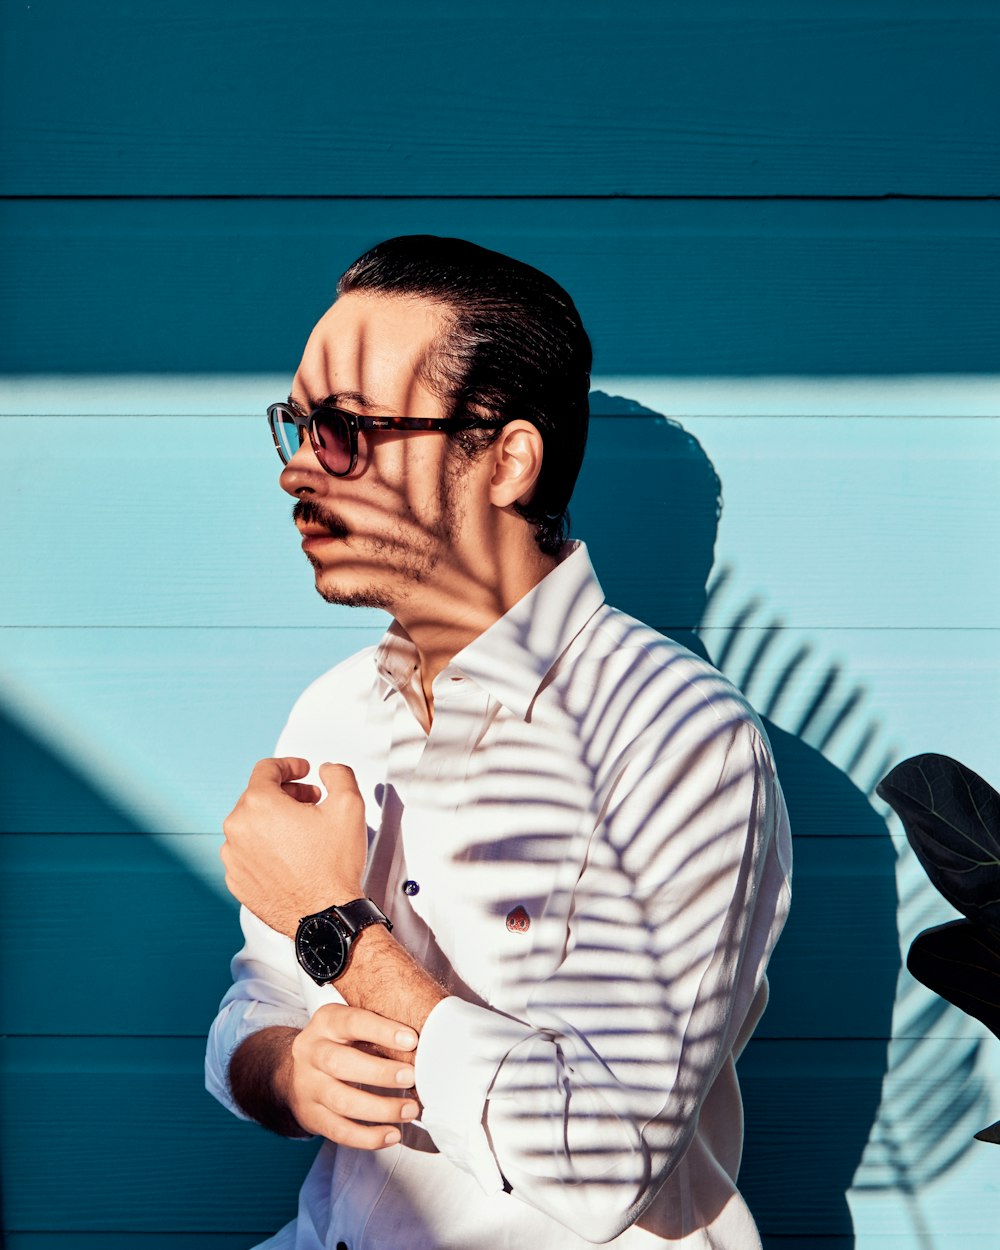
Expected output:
(511, 659)
(395, 659)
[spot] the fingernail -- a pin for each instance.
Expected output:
(405, 1076)
(405, 1038)
(392, 1137)
(409, 1111)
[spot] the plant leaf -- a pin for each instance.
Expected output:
(952, 821)
(961, 962)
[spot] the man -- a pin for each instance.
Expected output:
(505, 965)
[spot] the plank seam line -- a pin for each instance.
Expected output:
(200, 1037)
(216, 833)
(829, 629)
(610, 196)
(676, 415)
(135, 1232)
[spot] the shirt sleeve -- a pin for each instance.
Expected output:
(266, 990)
(264, 993)
(583, 1107)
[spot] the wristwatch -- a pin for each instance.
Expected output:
(323, 940)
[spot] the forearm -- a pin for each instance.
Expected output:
(258, 1079)
(383, 977)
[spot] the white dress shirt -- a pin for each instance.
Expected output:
(591, 851)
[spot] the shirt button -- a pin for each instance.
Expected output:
(411, 887)
(518, 920)
(342, 1245)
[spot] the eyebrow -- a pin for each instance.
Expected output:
(336, 398)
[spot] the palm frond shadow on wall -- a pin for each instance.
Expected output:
(897, 1114)
(932, 1093)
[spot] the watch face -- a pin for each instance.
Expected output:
(321, 948)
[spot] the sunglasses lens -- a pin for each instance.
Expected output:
(287, 434)
(332, 441)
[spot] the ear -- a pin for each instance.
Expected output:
(516, 457)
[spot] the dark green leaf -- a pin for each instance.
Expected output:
(952, 820)
(961, 962)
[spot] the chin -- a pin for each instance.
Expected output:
(340, 591)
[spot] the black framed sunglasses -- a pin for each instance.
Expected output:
(333, 431)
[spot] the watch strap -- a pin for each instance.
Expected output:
(359, 915)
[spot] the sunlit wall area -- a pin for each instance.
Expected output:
(782, 231)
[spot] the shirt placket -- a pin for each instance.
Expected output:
(386, 875)
(436, 809)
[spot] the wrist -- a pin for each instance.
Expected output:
(370, 948)
(379, 961)
(281, 1075)
(260, 1072)
(315, 902)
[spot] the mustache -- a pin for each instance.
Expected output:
(310, 513)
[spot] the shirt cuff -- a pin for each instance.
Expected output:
(461, 1048)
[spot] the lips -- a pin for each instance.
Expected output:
(313, 524)
(315, 537)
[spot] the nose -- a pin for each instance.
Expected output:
(303, 474)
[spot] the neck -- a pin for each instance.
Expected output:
(467, 596)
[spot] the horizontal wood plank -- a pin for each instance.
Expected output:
(515, 98)
(803, 500)
(149, 920)
(180, 1162)
(239, 394)
(708, 288)
(246, 1241)
(820, 1121)
(75, 1240)
(157, 730)
(150, 934)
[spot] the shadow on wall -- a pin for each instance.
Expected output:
(41, 793)
(102, 1067)
(833, 974)
(154, 937)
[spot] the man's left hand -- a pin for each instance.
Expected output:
(286, 853)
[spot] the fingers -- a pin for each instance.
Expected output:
(339, 780)
(362, 1104)
(284, 768)
(328, 1067)
(358, 1116)
(353, 1024)
(346, 1132)
(287, 771)
(347, 1063)
(341, 775)
(301, 792)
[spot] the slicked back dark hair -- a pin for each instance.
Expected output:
(514, 347)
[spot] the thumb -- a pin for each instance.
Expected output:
(339, 780)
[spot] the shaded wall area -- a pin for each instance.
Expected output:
(111, 955)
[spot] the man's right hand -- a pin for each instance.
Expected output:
(314, 1077)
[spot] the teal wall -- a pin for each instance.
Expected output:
(781, 227)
